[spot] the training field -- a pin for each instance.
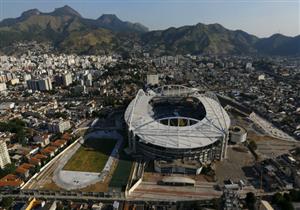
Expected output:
(91, 156)
(122, 172)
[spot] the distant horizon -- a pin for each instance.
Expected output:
(248, 16)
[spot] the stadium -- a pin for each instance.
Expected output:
(174, 123)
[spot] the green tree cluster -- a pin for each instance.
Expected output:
(250, 200)
(284, 201)
(6, 203)
(253, 145)
(16, 126)
(8, 169)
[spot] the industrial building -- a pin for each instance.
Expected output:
(173, 123)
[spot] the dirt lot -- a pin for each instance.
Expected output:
(238, 157)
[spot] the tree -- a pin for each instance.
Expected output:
(298, 151)
(277, 198)
(6, 202)
(250, 200)
(282, 201)
(286, 205)
(253, 145)
(7, 170)
(287, 196)
(295, 195)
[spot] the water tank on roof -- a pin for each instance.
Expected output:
(238, 134)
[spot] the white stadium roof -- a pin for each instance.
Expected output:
(210, 129)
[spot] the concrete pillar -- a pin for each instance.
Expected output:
(133, 144)
(224, 147)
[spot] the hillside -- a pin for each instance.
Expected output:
(212, 39)
(69, 32)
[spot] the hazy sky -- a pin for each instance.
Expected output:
(259, 17)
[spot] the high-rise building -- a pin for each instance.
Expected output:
(79, 89)
(88, 78)
(63, 79)
(59, 126)
(249, 66)
(4, 156)
(40, 84)
(45, 84)
(32, 84)
(2, 87)
(26, 77)
(152, 79)
(67, 79)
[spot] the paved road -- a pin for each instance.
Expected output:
(152, 191)
(63, 197)
(140, 196)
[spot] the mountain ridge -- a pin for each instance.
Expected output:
(70, 32)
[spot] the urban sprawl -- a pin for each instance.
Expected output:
(64, 142)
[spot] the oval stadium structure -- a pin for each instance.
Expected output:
(177, 122)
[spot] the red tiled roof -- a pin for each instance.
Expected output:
(51, 148)
(21, 170)
(16, 183)
(26, 165)
(11, 180)
(40, 156)
(34, 160)
(9, 177)
(58, 142)
(66, 136)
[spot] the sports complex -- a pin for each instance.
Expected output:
(177, 123)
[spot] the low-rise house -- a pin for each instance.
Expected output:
(24, 170)
(41, 157)
(66, 136)
(53, 148)
(59, 143)
(35, 161)
(49, 151)
(11, 180)
(17, 158)
(42, 140)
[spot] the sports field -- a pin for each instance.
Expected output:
(91, 156)
(122, 172)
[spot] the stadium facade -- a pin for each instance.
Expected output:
(177, 123)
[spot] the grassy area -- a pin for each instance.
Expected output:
(122, 172)
(91, 156)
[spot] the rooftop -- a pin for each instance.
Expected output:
(196, 133)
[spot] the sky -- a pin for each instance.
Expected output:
(259, 17)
